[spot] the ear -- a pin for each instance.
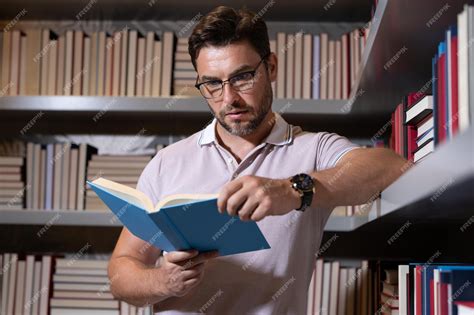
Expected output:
(272, 66)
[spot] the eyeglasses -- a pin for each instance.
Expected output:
(240, 82)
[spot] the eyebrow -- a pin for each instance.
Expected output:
(240, 69)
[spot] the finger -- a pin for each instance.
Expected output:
(259, 213)
(193, 272)
(179, 256)
(236, 201)
(248, 208)
(227, 190)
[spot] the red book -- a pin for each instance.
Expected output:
(418, 290)
(432, 297)
(454, 84)
(441, 99)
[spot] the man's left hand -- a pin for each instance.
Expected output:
(253, 198)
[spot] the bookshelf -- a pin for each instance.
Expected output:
(361, 115)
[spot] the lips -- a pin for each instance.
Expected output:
(237, 112)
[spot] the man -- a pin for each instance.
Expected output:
(250, 156)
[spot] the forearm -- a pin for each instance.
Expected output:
(134, 282)
(358, 178)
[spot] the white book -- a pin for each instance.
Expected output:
(44, 68)
(307, 65)
(423, 105)
(345, 67)
(365, 287)
(29, 279)
(85, 304)
(87, 66)
(94, 54)
(123, 68)
(281, 65)
(82, 295)
(101, 71)
(351, 291)
(149, 62)
(449, 87)
(23, 64)
(60, 65)
(45, 287)
(82, 311)
(68, 63)
(36, 288)
(310, 298)
(5, 276)
(132, 62)
(424, 151)
(156, 75)
(290, 66)
(37, 176)
(77, 67)
(319, 286)
(12, 277)
(324, 66)
(167, 65)
(20, 287)
(471, 61)
(338, 71)
(109, 60)
(436, 282)
(140, 76)
(81, 263)
(316, 74)
(117, 66)
(52, 70)
(29, 174)
(326, 288)
(341, 305)
(73, 174)
(334, 291)
(15, 62)
(65, 172)
(6, 58)
(58, 166)
(298, 66)
(80, 287)
(425, 126)
(80, 279)
(331, 69)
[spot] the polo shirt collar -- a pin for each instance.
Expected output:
(281, 133)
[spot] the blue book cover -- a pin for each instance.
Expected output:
(180, 223)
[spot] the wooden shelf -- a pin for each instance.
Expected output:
(297, 10)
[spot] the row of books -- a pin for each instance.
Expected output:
(316, 67)
(423, 121)
(338, 290)
(436, 289)
(128, 63)
(42, 285)
(53, 176)
(122, 63)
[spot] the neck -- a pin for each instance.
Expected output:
(240, 146)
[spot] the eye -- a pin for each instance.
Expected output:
(242, 77)
(213, 84)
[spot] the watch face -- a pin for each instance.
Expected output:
(303, 181)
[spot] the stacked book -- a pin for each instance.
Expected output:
(436, 289)
(41, 285)
(339, 290)
(56, 175)
(389, 296)
(117, 63)
(184, 75)
(124, 169)
(316, 66)
(12, 188)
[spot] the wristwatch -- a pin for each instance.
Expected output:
(304, 185)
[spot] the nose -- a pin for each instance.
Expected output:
(229, 95)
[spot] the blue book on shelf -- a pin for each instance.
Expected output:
(180, 222)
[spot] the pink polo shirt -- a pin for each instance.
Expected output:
(271, 281)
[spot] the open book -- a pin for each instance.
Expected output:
(180, 222)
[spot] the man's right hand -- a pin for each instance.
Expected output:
(180, 271)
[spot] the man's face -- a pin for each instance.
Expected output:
(238, 112)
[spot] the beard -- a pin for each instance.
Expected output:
(240, 127)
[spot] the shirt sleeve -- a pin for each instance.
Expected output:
(330, 148)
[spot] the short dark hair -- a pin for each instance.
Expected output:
(223, 26)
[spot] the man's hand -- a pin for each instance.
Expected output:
(253, 198)
(183, 270)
